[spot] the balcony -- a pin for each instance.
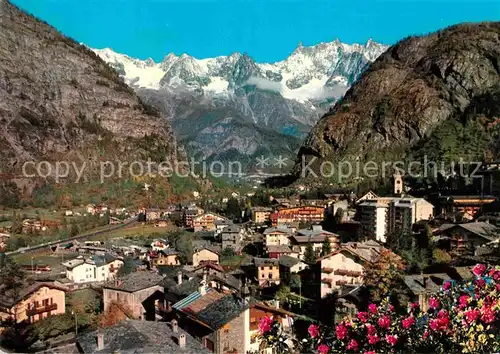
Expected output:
(41, 309)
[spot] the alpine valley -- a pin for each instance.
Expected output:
(231, 107)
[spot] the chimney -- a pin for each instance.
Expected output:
(100, 341)
(355, 245)
(179, 277)
(175, 326)
(202, 289)
(182, 340)
(277, 303)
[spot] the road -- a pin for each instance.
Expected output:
(126, 223)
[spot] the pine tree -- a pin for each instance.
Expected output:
(309, 255)
(326, 248)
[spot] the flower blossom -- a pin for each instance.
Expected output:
(446, 285)
(479, 269)
(373, 308)
(313, 331)
(391, 339)
(373, 339)
(265, 325)
(362, 316)
(434, 303)
(353, 345)
(408, 322)
(384, 322)
(341, 331)
(323, 349)
(371, 329)
(463, 300)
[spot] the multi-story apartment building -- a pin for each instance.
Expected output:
(309, 214)
(96, 268)
(260, 215)
(206, 222)
(382, 216)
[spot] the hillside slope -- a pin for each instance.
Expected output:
(435, 95)
(60, 101)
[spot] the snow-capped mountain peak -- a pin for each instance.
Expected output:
(324, 70)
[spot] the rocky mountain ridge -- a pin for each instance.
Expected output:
(434, 95)
(60, 101)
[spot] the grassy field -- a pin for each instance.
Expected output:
(132, 231)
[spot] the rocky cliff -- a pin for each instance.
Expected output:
(434, 95)
(60, 101)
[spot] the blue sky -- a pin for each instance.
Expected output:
(268, 30)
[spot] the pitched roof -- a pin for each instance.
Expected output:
(279, 249)
(135, 336)
(135, 281)
(283, 230)
(265, 261)
(288, 261)
(214, 308)
(427, 283)
(482, 229)
(9, 298)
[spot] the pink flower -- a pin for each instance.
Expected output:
(363, 316)
(353, 345)
(446, 285)
(341, 331)
(370, 352)
(439, 324)
(408, 322)
(442, 313)
(390, 308)
(434, 303)
(478, 269)
(392, 340)
(414, 305)
(265, 325)
(313, 331)
(371, 329)
(488, 315)
(384, 322)
(463, 300)
(373, 339)
(426, 334)
(323, 349)
(472, 315)
(373, 308)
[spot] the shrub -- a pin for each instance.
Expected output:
(462, 318)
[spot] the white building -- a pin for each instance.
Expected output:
(381, 216)
(92, 269)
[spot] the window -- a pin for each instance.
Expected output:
(263, 276)
(45, 302)
(261, 268)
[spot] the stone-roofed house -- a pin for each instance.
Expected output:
(206, 254)
(268, 271)
(132, 336)
(167, 257)
(276, 236)
(219, 320)
(422, 286)
(137, 292)
(316, 236)
(32, 302)
(232, 236)
(280, 251)
(465, 238)
(290, 265)
(346, 265)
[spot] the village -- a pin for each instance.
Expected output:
(193, 280)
